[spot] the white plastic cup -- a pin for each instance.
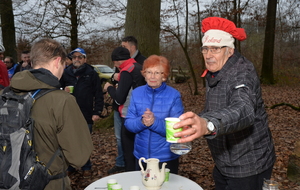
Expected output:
(116, 187)
(170, 121)
(110, 183)
(135, 187)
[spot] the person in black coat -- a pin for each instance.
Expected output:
(131, 43)
(87, 91)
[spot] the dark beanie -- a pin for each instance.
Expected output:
(120, 53)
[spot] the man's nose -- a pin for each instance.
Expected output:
(209, 54)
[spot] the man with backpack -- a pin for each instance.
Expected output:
(57, 118)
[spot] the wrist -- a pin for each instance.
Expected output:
(211, 129)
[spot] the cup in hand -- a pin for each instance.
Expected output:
(71, 89)
(170, 121)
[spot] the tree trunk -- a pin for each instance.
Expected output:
(8, 28)
(74, 24)
(267, 65)
(143, 22)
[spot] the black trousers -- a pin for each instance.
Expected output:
(254, 182)
(127, 139)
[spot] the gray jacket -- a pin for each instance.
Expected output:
(243, 144)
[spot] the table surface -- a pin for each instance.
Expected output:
(127, 179)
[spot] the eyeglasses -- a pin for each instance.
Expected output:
(155, 73)
(7, 62)
(79, 57)
(213, 50)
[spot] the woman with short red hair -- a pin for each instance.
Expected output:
(149, 106)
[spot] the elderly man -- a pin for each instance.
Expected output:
(87, 91)
(234, 120)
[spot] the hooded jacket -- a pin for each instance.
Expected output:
(58, 123)
(150, 142)
(130, 77)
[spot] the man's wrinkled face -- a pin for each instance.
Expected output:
(78, 59)
(215, 61)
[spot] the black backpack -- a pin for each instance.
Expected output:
(20, 167)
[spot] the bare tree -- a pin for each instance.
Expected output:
(268, 55)
(183, 38)
(8, 28)
(58, 19)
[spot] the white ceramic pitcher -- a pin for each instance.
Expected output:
(152, 177)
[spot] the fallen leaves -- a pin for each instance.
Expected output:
(284, 122)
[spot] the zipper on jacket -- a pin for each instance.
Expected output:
(149, 140)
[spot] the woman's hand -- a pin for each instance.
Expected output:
(148, 118)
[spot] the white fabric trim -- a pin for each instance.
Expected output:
(217, 38)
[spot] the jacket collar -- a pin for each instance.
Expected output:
(161, 88)
(213, 81)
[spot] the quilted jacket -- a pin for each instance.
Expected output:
(150, 142)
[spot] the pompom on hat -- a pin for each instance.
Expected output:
(221, 32)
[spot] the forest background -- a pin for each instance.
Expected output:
(167, 27)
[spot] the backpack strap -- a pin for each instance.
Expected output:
(41, 92)
(36, 95)
(58, 152)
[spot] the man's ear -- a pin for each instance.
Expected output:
(230, 51)
(57, 62)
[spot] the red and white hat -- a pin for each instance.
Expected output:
(221, 32)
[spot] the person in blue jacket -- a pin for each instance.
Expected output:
(149, 105)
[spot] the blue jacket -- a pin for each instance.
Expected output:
(150, 142)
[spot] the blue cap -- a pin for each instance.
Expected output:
(80, 50)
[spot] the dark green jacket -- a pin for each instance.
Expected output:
(58, 123)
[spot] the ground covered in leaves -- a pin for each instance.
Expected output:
(197, 165)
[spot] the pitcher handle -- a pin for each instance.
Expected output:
(140, 163)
